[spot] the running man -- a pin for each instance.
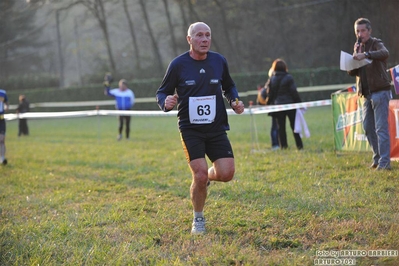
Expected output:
(197, 81)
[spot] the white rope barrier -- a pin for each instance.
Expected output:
(256, 109)
(283, 107)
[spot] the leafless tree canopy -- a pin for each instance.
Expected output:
(138, 38)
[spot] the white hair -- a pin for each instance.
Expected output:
(191, 27)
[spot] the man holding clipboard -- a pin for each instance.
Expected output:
(374, 86)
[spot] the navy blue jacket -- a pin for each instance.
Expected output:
(192, 78)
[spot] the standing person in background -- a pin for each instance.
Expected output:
(3, 108)
(282, 90)
(262, 99)
(274, 134)
(373, 84)
(197, 81)
(23, 107)
(124, 101)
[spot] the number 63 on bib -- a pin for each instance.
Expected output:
(202, 110)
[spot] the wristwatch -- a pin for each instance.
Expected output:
(367, 55)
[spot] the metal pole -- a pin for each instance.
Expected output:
(254, 131)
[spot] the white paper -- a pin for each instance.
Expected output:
(348, 63)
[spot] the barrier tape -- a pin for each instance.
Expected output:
(254, 109)
(283, 107)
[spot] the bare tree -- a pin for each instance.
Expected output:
(153, 41)
(183, 15)
(18, 37)
(59, 43)
(226, 30)
(133, 35)
(306, 33)
(96, 7)
(78, 52)
(195, 17)
(172, 32)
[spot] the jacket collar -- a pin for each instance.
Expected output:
(368, 44)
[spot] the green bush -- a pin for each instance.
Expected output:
(29, 81)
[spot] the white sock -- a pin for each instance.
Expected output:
(198, 214)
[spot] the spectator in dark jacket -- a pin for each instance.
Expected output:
(23, 107)
(374, 86)
(282, 90)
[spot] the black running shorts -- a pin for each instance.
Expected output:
(197, 144)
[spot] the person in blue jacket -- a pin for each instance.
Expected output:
(197, 82)
(124, 98)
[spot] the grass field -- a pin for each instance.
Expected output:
(72, 195)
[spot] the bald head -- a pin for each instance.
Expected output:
(193, 27)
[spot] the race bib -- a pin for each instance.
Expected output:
(202, 110)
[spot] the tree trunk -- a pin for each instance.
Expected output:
(153, 41)
(103, 23)
(183, 17)
(78, 52)
(226, 31)
(97, 9)
(133, 35)
(60, 55)
(165, 3)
